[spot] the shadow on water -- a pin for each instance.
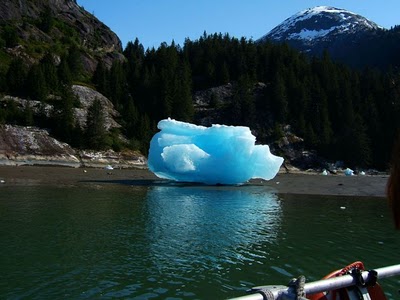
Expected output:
(140, 182)
(165, 182)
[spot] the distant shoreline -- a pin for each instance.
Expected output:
(283, 183)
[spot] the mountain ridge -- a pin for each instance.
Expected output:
(327, 19)
(321, 28)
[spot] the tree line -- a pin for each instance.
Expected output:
(344, 114)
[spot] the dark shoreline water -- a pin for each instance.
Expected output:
(181, 241)
(283, 183)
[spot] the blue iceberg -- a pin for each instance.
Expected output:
(218, 154)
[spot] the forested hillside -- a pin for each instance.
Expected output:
(344, 114)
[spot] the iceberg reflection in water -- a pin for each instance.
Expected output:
(198, 228)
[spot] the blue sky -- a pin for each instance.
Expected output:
(157, 21)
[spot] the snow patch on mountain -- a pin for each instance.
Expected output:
(309, 34)
(319, 22)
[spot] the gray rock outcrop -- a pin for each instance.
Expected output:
(33, 146)
(30, 145)
(96, 41)
(95, 34)
(86, 96)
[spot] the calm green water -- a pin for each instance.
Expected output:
(108, 241)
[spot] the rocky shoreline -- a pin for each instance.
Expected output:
(305, 183)
(35, 147)
(82, 159)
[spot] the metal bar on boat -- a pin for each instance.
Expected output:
(324, 284)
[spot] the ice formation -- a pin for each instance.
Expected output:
(218, 154)
(348, 172)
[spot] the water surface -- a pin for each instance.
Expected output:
(101, 241)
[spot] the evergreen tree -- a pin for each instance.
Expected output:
(279, 98)
(318, 117)
(101, 79)
(64, 117)
(28, 114)
(223, 76)
(36, 84)
(64, 73)
(131, 119)
(247, 105)
(118, 85)
(134, 52)
(144, 133)
(75, 62)
(78, 140)
(16, 76)
(50, 72)
(3, 84)
(96, 135)
(235, 110)
(10, 36)
(46, 21)
(358, 150)
(183, 103)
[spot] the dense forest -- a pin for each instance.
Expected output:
(342, 113)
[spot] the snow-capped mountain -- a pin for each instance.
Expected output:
(322, 27)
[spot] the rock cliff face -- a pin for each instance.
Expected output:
(41, 26)
(94, 33)
(85, 95)
(208, 102)
(21, 145)
(71, 24)
(33, 146)
(29, 145)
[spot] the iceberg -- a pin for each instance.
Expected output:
(348, 172)
(219, 154)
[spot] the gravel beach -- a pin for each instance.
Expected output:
(284, 183)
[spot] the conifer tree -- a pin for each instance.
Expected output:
(64, 117)
(96, 136)
(247, 101)
(16, 76)
(101, 79)
(131, 118)
(223, 76)
(118, 84)
(64, 73)
(357, 144)
(134, 52)
(3, 84)
(75, 62)
(28, 114)
(183, 103)
(279, 98)
(50, 72)
(10, 36)
(36, 84)
(46, 22)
